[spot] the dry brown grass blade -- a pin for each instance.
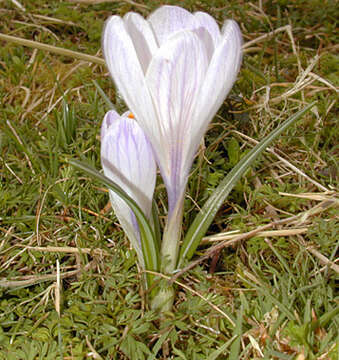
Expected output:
(57, 290)
(53, 49)
(323, 259)
(18, 5)
(327, 195)
(67, 250)
(93, 353)
(12, 171)
(269, 233)
(35, 279)
(94, 2)
(53, 20)
(321, 207)
(264, 37)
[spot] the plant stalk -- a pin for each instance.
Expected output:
(163, 300)
(171, 240)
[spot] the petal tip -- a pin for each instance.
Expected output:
(110, 117)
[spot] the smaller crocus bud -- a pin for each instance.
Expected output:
(127, 159)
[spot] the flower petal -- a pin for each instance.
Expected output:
(124, 66)
(109, 119)
(206, 39)
(128, 222)
(174, 78)
(142, 37)
(127, 159)
(167, 20)
(221, 75)
(210, 25)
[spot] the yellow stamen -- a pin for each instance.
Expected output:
(130, 115)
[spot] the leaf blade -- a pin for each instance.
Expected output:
(204, 218)
(149, 244)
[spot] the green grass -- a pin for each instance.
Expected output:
(277, 290)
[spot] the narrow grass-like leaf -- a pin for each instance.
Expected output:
(328, 316)
(203, 220)
(148, 242)
(221, 350)
(69, 123)
(158, 344)
(279, 355)
(266, 290)
(16, 136)
(103, 95)
(235, 348)
(156, 224)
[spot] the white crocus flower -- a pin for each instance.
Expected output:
(174, 70)
(127, 159)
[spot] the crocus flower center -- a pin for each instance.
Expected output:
(130, 115)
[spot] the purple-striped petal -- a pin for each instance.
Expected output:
(109, 119)
(127, 159)
(174, 79)
(125, 68)
(205, 39)
(142, 36)
(220, 77)
(206, 21)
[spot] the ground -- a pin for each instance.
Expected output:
(271, 295)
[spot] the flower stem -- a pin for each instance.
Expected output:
(171, 239)
(163, 300)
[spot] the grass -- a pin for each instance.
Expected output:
(271, 295)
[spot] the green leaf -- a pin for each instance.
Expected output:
(221, 350)
(327, 317)
(233, 151)
(204, 219)
(235, 348)
(103, 95)
(156, 224)
(66, 125)
(149, 244)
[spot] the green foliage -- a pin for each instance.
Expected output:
(66, 126)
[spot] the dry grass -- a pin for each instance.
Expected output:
(69, 287)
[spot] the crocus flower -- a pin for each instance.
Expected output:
(127, 159)
(174, 70)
